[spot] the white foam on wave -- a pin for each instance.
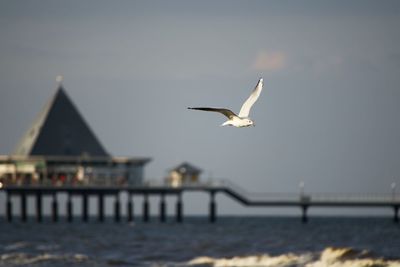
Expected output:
(26, 258)
(17, 245)
(330, 257)
(255, 261)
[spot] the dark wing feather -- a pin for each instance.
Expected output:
(228, 113)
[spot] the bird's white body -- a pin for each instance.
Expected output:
(241, 120)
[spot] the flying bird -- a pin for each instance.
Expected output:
(241, 120)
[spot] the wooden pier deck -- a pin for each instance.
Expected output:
(303, 201)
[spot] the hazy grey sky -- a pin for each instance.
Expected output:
(328, 115)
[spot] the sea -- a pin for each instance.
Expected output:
(231, 241)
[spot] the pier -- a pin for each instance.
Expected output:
(303, 201)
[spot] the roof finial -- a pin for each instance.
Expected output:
(59, 79)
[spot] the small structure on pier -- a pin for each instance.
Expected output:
(61, 149)
(183, 174)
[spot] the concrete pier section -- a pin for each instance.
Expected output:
(304, 202)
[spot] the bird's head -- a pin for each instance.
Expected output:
(250, 122)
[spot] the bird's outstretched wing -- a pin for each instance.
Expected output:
(228, 113)
(245, 110)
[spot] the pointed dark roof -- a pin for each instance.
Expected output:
(60, 130)
(186, 168)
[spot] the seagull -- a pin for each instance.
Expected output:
(241, 120)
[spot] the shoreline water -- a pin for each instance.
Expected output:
(231, 241)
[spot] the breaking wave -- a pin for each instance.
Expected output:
(19, 258)
(329, 257)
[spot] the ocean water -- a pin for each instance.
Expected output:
(232, 241)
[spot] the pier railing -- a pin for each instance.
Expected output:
(307, 196)
(234, 189)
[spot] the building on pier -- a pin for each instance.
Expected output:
(183, 174)
(61, 149)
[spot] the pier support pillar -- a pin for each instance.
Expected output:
(100, 207)
(129, 208)
(396, 214)
(162, 208)
(9, 208)
(213, 207)
(179, 208)
(54, 208)
(69, 208)
(85, 207)
(117, 213)
(146, 208)
(23, 207)
(38, 206)
(304, 218)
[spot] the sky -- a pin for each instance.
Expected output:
(328, 114)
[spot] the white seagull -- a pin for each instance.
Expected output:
(241, 120)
